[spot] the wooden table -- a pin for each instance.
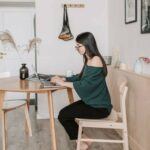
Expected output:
(14, 84)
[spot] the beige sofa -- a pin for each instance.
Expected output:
(138, 106)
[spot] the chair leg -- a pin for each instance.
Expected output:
(26, 127)
(4, 130)
(79, 137)
(125, 138)
(28, 123)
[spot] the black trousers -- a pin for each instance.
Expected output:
(79, 110)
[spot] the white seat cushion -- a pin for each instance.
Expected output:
(113, 117)
(10, 104)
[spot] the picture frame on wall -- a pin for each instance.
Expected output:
(145, 16)
(130, 11)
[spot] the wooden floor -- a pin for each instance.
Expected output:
(18, 140)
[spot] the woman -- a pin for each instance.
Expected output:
(90, 85)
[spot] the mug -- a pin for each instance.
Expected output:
(69, 73)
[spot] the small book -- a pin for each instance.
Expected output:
(49, 85)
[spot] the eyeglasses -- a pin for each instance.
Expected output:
(77, 47)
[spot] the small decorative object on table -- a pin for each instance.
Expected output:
(145, 59)
(69, 73)
(138, 66)
(24, 73)
(146, 65)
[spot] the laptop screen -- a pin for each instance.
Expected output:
(42, 77)
(35, 72)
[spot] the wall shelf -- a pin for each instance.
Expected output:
(74, 5)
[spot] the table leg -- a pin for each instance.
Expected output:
(52, 123)
(2, 94)
(28, 100)
(4, 140)
(70, 95)
(28, 106)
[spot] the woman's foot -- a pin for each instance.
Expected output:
(86, 137)
(84, 146)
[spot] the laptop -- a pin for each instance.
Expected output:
(43, 79)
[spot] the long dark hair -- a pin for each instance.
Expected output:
(87, 39)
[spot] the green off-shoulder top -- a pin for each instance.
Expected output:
(92, 87)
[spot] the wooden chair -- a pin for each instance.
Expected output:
(9, 105)
(111, 122)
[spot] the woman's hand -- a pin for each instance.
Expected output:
(61, 81)
(53, 79)
(58, 81)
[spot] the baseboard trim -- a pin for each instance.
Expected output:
(134, 145)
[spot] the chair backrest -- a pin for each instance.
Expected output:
(123, 89)
(4, 74)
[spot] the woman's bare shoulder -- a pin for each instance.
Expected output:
(96, 62)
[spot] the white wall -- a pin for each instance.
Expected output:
(17, 0)
(127, 38)
(57, 56)
(19, 22)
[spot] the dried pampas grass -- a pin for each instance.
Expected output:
(6, 37)
(32, 43)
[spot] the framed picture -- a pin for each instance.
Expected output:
(130, 11)
(145, 16)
